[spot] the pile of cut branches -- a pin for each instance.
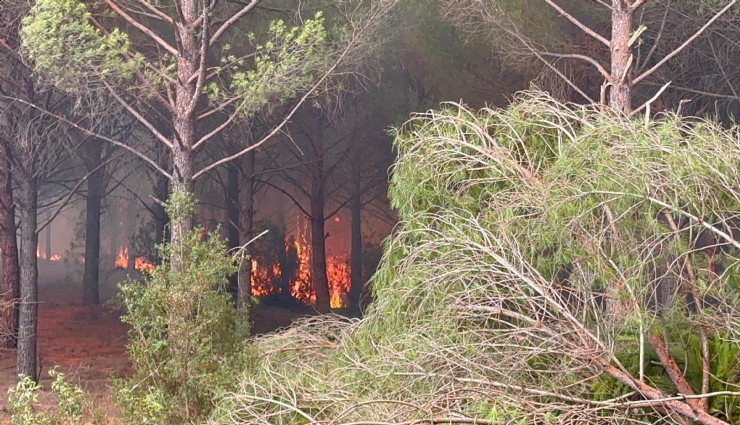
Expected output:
(553, 264)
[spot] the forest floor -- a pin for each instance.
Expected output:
(87, 343)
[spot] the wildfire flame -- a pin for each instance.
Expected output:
(140, 263)
(265, 276)
(42, 255)
(122, 258)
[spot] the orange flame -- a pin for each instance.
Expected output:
(42, 255)
(264, 277)
(140, 263)
(122, 258)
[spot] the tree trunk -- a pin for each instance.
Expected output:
(356, 278)
(246, 233)
(287, 258)
(9, 291)
(28, 313)
(232, 218)
(161, 220)
(318, 241)
(182, 222)
(47, 240)
(186, 100)
(115, 226)
(130, 232)
(90, 277)
(620, 98)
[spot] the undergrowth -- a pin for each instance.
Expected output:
(545, 254)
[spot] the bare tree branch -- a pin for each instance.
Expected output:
(578, 23)
(680, 48)
(141, 27)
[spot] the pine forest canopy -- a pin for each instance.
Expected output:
(618, 52)
(187, 69)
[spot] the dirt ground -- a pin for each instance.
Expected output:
(88, 343)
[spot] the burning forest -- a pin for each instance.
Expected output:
(290, 271)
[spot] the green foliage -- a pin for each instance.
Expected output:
(286, 63)
(525, 261)
(186, 342)
(179, 205)
(69, 51)
(23, 401)
(686, 350)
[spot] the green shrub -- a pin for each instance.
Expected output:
(187, 343)
(23, 402)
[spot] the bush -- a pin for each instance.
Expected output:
(542, 249)
(23, 402)
(187, 343)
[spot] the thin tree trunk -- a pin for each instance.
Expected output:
(47, 240)
(318, 241)
(182, 223)
(246, 233)
(90, 277)
(287, 258)
(130, 226)
(356, 278)
(232, 218)
(28, 313)
(161, 220)
(620, 98)
(11, 269)
(115, 227)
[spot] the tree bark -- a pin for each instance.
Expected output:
(246, 232)
(11, 269)
(28, 313)
(318, 240)
(47, 240)
(232, 218)
(186, 98)
(90, 278)
(182, 186)
(161, 220)
(115, 226)
(130, 226)
(95, 186)
(662, 399)
(287, 258)
(356, 278)
(620, 97)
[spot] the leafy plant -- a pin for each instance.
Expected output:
(186, 342)
(67, 48)
(23, 402)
